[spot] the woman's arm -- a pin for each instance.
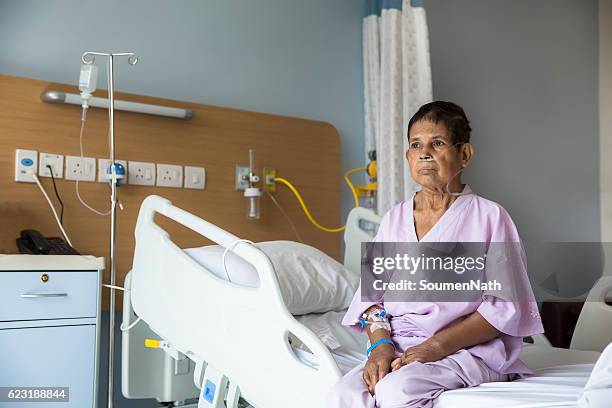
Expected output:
(379, 360)
(472, 330)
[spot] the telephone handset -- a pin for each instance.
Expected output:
(33, 242)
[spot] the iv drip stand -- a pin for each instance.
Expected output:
(89, 58)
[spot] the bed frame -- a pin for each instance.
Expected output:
(219, 325)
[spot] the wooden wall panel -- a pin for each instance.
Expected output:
(306, 152)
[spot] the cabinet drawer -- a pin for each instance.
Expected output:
(62, 356)
(65, 295)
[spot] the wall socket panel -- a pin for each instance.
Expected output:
(90, 169)
(26, 163)
(83, 168)
(103, 165)
(141, 173)
(56, 161)
(169, 175)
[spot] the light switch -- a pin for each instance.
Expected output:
(195, 177)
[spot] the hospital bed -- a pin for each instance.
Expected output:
(238, 337)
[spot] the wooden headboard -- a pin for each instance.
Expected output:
(306, 152)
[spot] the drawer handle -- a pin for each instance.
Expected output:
(43, 295)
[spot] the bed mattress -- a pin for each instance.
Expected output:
(551, 387)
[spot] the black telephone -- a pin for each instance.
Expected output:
(33, 242)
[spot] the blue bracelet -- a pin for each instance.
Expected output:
(378, 343)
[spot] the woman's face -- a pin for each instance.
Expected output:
(434, 161)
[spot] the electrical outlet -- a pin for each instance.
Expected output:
(195, 177)
(56, 161)
(103, 165)
(84, 170)
(141, 173)
(242, 172)
(169, 175)
(26, 163)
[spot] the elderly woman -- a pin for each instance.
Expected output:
(426, 348)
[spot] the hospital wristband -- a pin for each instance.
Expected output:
(378, 343)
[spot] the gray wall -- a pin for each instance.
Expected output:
(287, 57)
(605, 119)
(526, 72)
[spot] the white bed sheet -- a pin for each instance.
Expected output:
(347, 345)
(551, 387)
(560, 373)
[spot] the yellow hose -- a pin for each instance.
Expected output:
(312, 220)
(351, 186)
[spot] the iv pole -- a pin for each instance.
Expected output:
(89, 58)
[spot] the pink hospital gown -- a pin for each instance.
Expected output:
(470, 218)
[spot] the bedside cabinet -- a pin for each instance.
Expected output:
(49, 330)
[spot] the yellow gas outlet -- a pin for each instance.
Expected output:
(269, 174)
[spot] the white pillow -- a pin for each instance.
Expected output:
(597, 392)
(310, 280)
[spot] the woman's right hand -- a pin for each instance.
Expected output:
(378, 365)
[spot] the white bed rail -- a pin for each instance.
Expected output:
(594, 326)
(355, 235)
(240, 331)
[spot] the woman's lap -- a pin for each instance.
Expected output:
(414, 385)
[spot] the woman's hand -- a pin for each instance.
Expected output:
(428, 351)
(378, 365)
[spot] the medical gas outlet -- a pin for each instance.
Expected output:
(247, 180)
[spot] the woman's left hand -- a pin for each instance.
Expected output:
(428, 351)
